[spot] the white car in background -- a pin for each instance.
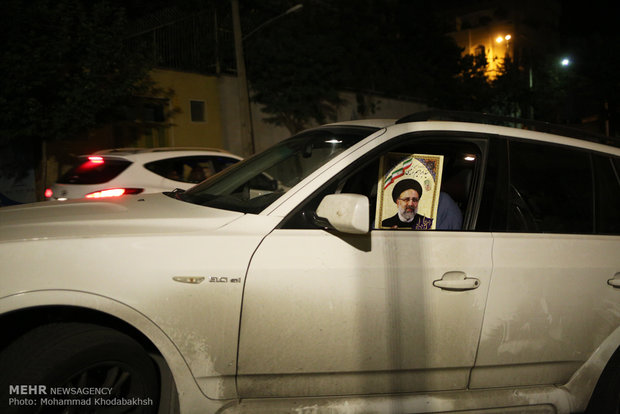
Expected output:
(274, 287)
(122, 171)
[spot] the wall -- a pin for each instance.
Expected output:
(187, 87)
(266, 134)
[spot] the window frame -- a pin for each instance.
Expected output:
(499, 222)
(612, 161)
(305, 210)
(203, 114)
(214, 160)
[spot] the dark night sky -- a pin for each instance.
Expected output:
(577, 19)
(584, 18)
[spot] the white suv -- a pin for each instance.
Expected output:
(123, 171)
(277, 286)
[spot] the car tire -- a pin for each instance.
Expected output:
(99, 367)
(606, 396)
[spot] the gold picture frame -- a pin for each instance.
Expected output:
(424, 169)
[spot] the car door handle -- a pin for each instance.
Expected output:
(457, 281)
(615, 281)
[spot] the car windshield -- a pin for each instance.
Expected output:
(250, 186)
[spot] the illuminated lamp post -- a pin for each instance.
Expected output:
(504, 38)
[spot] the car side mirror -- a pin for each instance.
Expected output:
(348, 213)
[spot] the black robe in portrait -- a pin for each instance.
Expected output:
(419, 222)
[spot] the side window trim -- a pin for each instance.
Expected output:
(606, 223)
(493, 199)
(593, 175)
(470, 215)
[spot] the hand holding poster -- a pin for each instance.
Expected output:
(408, 191)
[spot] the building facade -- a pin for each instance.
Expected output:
(496, 30)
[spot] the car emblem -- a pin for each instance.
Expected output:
(194, 280)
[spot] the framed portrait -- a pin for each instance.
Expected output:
(408, 191)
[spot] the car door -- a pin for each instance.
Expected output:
(326, 313)
(551, 302)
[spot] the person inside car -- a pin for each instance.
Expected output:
(406, 194)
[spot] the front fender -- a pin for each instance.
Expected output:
(191, 398)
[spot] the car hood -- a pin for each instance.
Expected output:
(129, 215)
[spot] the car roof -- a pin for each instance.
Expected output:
(125, 151)
(152, 154)
(510, 122)
(488, 123)
(374, 123)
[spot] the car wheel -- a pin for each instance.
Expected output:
(606, 396)
(77, 368)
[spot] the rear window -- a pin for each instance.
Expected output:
(551, 189)
(94, 170)
(191, 169)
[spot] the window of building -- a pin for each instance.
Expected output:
(153, 110)
(197, 109)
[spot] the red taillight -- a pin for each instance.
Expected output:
(114, 192)
(48, 193)
(92, 161)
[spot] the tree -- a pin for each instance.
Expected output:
(471, 89)
(66, 68)
(595, 86)
(591, 40)
(511, 94)
(298, 66)
(292, 66)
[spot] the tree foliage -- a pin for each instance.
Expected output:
(66, 68)
(298, 66)
(593, 85)
(471, 90)
(399, 48)
(292, 66)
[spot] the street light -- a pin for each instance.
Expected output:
(293, 9)
(246, 129)
(500, 39)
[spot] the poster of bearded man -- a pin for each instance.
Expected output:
(408, 191)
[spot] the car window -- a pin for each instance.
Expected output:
(461, 161)
(192, 169)
(221, 163)
(551, 189)
(607, 189)
(255, 183)
(94, 170)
